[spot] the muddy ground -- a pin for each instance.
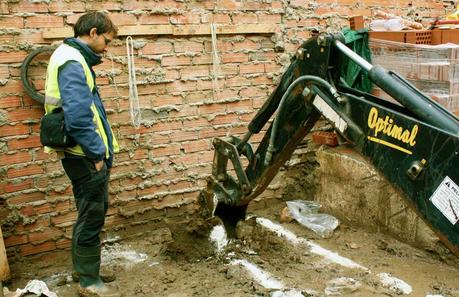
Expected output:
(267, 259)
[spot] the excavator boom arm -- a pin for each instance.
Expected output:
(415, 144)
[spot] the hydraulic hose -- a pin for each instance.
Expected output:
(312, 78)
(28, 87)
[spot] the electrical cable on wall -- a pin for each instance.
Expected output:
(215, 62)
(133, 95)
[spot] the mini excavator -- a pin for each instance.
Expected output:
(414, 144)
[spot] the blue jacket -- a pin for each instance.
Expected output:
(76, 101)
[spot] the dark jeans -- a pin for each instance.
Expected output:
(90, 189)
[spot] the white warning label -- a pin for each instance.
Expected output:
(446, 199)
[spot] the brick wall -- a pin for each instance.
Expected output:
(163, 164)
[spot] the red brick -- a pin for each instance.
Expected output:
(154, 19)
(12, 57)
(272, 67)
(212, 132)
(15, 240)
(206, 157)
(323, 137)
(225, 119)
(28, 102)
(219, 18)
(64, 243)
(69, 6)
(230, 5)
(187, 159)
(123, 19)
(184, 112)
(180, 185)
(239, 106)
(245, 18)
(184, 135)
(19, 186)
(44, 21)
(196, 146)
(10, 101)
(64, 219)
(39, 224)
(126, 195)
(151, 191)
(29, 249)
(172, 74)
(10, 130)
(44, 208)
(261, 80)
(117, 169)
(246, 44)
(25, 171)
(26, 198)
(202, 59)
(11, 22)
(72, 19)
(185, 19)
(171, 149)
(171, 200)
(4, 73)
(258, 6)
(27, 6)
(206, 84)
(269, 18)
(195, 71)
(158, 47)
(188, 46)
(16, 158)
(25, 114)
(235, 58)
(27, 211)
(48, 234)
(146, 4)
(4, 8)
(174, 61)
(182, 86)
(29, 142)
(40, 155)
(166, 99)
(251, 92)
(252, 68)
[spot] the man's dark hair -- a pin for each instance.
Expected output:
(95, 19)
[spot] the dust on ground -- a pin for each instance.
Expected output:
(267, 259)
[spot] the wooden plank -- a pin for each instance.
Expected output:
(145, 30)
(4, 268)
(225, 29)
(181, 30)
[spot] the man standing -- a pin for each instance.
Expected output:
(70, 84)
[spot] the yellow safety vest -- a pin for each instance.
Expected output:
(60, 56)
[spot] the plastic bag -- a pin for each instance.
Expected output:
(305, 213)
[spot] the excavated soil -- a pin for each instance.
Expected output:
(267, 259)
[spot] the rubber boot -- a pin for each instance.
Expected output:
(87, 265)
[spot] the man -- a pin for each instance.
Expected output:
(70, 83)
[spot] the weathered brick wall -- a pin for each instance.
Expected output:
(163, 164)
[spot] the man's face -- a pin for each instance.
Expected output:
(99, 42)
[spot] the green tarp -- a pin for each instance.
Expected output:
(353, 74)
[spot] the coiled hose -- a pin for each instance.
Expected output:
(28, 86)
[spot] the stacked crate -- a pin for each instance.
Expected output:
(433, 69)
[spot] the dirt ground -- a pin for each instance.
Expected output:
(267, 259)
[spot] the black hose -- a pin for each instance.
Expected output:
(28, 87)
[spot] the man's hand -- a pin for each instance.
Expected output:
(99, 165)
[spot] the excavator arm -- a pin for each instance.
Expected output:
(415, 144)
